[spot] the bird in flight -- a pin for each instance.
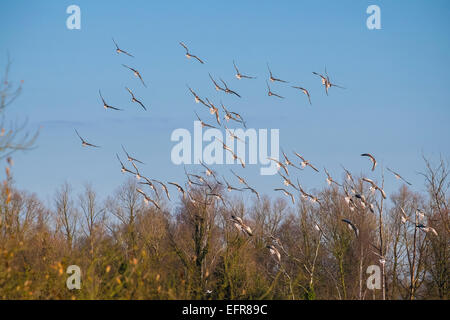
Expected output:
(241, 180)
(351, 226)
(228, 90)
(180, 189)
(329, 84)
(375, 187)
(136, 73)
(164, 187)
(232, 115)
(203, 124)
(189, 55)
(133, 99)
(287, 161)
(210, 172)
(123, 169)
(197, 98)
(218, 197)
(330, 180)
(305, 92)
(147, 199)
(287, 193)
(230, 187)
(349, 200)
(130, 158)
(138, 175)
(271, 78)
(274, 252)
(404, 216)
(398, 176)
(279, 164)
(240, 75)
(305, 195)
(372, 158)
(326, 81)
(225, 147)
(105, 105)
(241, 226)
(347, 174)
(286, 181)
(213, 110)
(270, 93)
(253, 190)
(234, 155)
(216, 86)
(118, 50)
(84, 143)
(305, 163)
(427, 229)
(233, 135)
(151, 185)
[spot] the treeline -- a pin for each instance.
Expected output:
(129, 249)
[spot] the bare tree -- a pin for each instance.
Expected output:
(15, 137)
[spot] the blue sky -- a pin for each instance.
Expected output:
(396, 104)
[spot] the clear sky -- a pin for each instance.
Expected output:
(395, 105)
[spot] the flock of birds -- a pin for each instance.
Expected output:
(352, 198)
